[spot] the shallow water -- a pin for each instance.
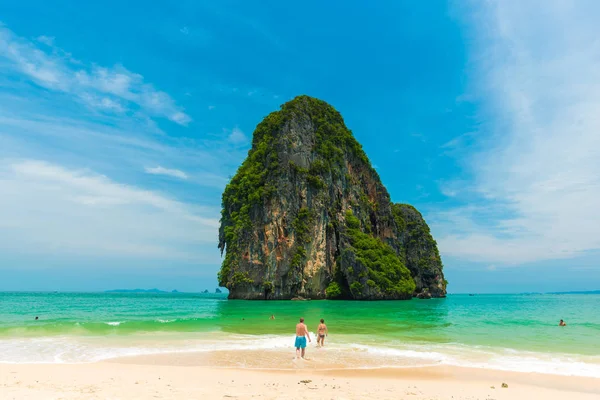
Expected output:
(514, 332)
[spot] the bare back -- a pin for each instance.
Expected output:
(301, 329)
(322, 329)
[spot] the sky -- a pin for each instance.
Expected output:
(121, 123)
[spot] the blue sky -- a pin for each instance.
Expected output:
(120, 124)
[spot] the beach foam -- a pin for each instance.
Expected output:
(341, 351)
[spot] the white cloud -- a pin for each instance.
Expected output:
(536, 185)
(103, 103)
(119, 148)
(237, 136)
(448, 191)
(48, 208)
(88, 199)
(98, 87)
(47, 40)
(165, 171)
(180, 118)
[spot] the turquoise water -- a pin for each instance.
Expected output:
(517, 332)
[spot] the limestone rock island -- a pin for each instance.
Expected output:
(306, 215)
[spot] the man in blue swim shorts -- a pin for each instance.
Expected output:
(301, 335)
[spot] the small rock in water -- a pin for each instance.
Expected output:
(504, 385)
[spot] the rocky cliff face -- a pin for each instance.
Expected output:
(306, 215)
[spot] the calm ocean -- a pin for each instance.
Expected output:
(507, 332)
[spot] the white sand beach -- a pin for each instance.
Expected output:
(171, 377)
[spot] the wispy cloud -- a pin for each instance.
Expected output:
(237, 136)
(536, 184)
(122, 144)
(102, 103)
(107, 89)
(185, 30)
(49, 208)
(175, 173)
(47, 40)
(77, 144)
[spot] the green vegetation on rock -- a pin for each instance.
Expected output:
(247, 189)
(376, 264)
(420, 252)
(301, 228)
(284, 226)
(268, 286)
(333, 291)
(251, 187)
(240, 278)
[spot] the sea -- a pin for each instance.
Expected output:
(502, 332)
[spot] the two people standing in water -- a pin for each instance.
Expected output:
(302, 334)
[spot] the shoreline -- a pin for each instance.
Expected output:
(318, 360)
(166, 377)
(259, 352)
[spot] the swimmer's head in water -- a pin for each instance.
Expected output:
(322, 321)
(301, 319)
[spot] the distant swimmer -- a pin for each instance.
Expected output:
(562, 323)
(272, 316)
(301, 335)
(36, 318)
(322, 331)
